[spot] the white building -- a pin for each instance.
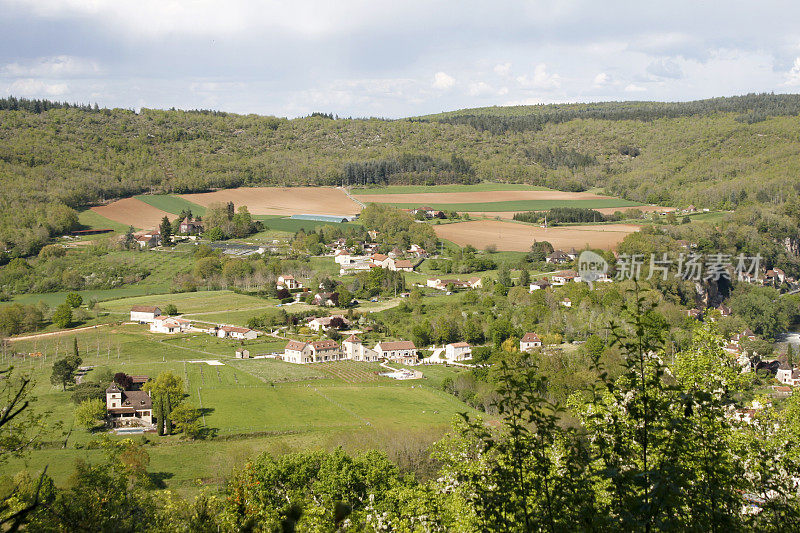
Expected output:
(458, 351)
(234, 332)
(353, 348)
(529, 341)
(403, 352)
(300, 352)
(129, 408)
(169, 325)
(144, 314)
(322, 323)
(287, 281)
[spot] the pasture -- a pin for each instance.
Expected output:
(171, 203)
(518, 237)
(254, 405)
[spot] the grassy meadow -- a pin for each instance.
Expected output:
(253, 405)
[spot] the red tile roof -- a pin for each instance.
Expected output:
(531, 337)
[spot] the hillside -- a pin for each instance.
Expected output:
(716, 153)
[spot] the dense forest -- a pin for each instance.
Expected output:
(719, 153)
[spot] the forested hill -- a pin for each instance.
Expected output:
(720, 153)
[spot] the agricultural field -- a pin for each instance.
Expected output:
(282, 200)
(418, 189)
(193, 302)
(171, 203)
(253, 405)
(132, 212)
(519, 237)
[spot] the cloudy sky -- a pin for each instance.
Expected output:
(392, 58)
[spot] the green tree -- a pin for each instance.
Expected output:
(166, 231)
(74, 300)
(170, 310)
(187, 420)
(62, 316)
(167, 392)
(63, 372)
(90, 413)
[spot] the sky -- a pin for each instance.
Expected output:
(392, 59)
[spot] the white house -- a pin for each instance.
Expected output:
(353, 268)
(169, 325)
(458, 351)
(563, 277)
(403, 352)
(788, 376)
(566, 302)
(353, 348)
(287, 281)
(322, 323)
(144, 314)
(234, 332)
(529, 341)
(539, 285)
(301, 352)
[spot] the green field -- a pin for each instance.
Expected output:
(254, 405)
(88, 219)
(523, 205)
(193, 302)
(171, 203)
(477, 187)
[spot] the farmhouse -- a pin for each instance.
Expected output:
(403, 352)
(287, 281)
(234, 332)
(529, 341)
(403, 265)
(458, 351)
(558, 257)
(353, 348)
(300, 352)
(539, 285)
(144, 314)
(328, 322)
(128, 408)
(563, 277)
(169, 325)
(189, 226)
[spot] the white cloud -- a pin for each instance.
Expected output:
(633, 88)
(540, 79)
(480, 88)
(61, 66)
(37, 88)
(793, 76)
(502, 69)
(442, 80)
(601, 80)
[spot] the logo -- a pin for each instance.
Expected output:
(591, 267)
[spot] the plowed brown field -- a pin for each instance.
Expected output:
(282, 200)
(515, 237)
(133, 212)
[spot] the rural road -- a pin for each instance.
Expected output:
(54, 333)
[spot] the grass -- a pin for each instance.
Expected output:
(88, 219)
(256, 405)
(171, 204)
(478, 187)
(523, 205)
(193, 302)
(290, 225)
